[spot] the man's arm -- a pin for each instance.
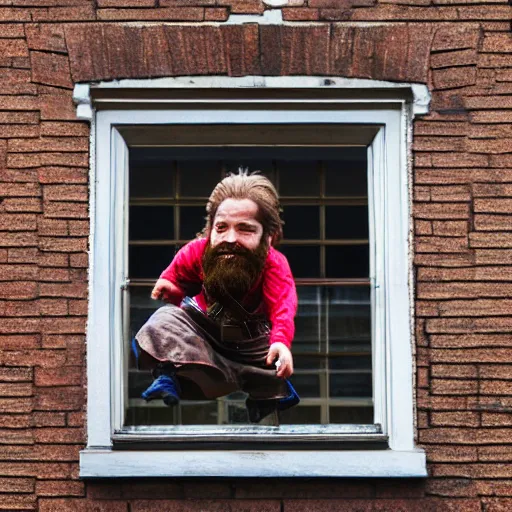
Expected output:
(183, 274)
(280, 296)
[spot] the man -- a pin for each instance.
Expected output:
(221, 341)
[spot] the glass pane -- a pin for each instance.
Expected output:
(351, 261)
(304, 261)
(298, 178)
(351, 415)
(151, 179)
(192, 221)
(306, 385)
(308, 332)
(350, 384)
(151, 223)
(198, 178)
(301, 222)
(347, 176)
(346, 222)
(148, 261)
(198, 413)
(349, 322)
(301, 415)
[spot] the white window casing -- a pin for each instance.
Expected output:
(390, 108)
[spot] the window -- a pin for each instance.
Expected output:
(339, 163)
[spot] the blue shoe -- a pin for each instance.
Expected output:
(164, 387)
(289, 401)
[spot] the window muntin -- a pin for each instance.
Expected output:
(326, 241)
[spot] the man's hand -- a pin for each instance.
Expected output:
(163, 290)
(281, 352)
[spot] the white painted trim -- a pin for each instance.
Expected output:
(247, 463)
(420, 92)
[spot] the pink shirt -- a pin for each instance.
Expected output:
(277, 286)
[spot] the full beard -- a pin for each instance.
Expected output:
(230, 270)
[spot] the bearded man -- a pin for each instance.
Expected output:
(234, 327)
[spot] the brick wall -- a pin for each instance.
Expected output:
(463, 233)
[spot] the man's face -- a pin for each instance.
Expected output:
(236, 253)
(235, 223)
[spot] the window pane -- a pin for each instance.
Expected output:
(304, 261)
(148, 261)
(151, 179)
(349, 261)
(309, 415)
(354, 415)
(247, 161)
(301, 222)
(346, 222)
(298, 178)
(151, 222)
(198, 178)
(350, 384)
(308, 333)
(192, 221)
(307, 385)
(348, 176)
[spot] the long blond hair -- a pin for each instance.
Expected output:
(256, 187)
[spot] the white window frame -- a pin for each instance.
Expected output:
(391, 278)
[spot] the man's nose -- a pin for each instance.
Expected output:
(231, 236)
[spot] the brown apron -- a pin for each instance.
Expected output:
(209, 359)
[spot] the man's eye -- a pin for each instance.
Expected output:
(220, 227)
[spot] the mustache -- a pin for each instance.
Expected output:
(230, 248)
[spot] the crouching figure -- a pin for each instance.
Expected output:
(231, 296)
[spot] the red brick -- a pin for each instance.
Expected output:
(52, 227)
(81, 505)
(466, 436)
(422, 127)
(53, 259)
(462, 290)
(20, 160)
(13, 389)
(170, 13)
(18, 290)
(497, 504)
(20, 189)
(59, 488)
(451, 211)
(12, 31)
(12, 502)
(465, 274)
(127, 3)
(57, 107)
(16, 374)
(423, 227)
(496, 419)
(22, 255)
(45, 37)
(455, 38)
(13, 130)
(64, 376)
(214, 505)
(490, 240)
(76, 419)
(59, 399)
(63, 325)
(451, 453)
(459, 418)
(19, 117)
(63, 244)
(448, 144)
(53, 307)
(13, 48)
(15, 405)
(65, 192)
(64, 129)
(450, 78)
(454, 371)
(493, 488)
(450, 228)
(59, 435)
(454, 387)
(54, 275)
(477, 355)
(19, 342)
(15, 421)
(443, 260)
(51, 68)
(427, 244)
(84, 13)
(17, 222)
(216, 14)
(70, 159)
(62, 175)
(49, 419)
